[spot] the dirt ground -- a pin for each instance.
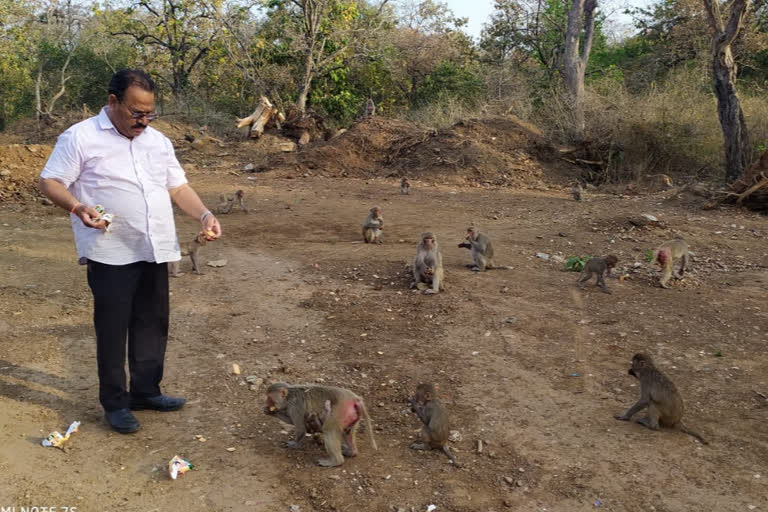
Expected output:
(528, 364)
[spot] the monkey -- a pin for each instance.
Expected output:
(435, 429)
(659, 395)
(405, 186)
(482, 251)
(370, 109)
(373, 225)
(226, 202)
(188, 249)
(577, 191)
(428, 266)
(667, 255)
(334, 411)
(598, 266)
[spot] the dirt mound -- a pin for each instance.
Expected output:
(494, 151)
(20, 166)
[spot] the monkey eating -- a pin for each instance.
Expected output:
(435, 429)
(334, 411)
(482, 250)
(372, 226)
(600, 266)
(659, 395)
(428, 266)
(405, 186)
(667, 255)
(188, 249)
(227, 202)
(577, 191)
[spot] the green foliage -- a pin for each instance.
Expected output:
(576, 263)
(649, 255)
(448, 80)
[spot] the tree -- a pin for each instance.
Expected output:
(729, 110)
(60, 30)
(325, 33)
(581, 24)
(502, 41)
(181, 29)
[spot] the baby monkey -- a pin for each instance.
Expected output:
(659, 395)
(227, 202)
(405, 186)
(188, 249)
(598, 266)
(435, 429)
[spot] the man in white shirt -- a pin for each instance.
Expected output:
(117, 160)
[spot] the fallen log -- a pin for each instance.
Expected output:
(264, 113)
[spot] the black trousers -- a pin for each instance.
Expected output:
(130, 302)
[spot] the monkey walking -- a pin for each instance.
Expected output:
(482, 251)
(334, 411)
(667, 255)
(577, 192)
(372, 226)
(598, 266)
(405, 186)
(659, 395)
(190, 249)
(434, 418)
(428, 266)
(227, 201)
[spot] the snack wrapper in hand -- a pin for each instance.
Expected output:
(178, 466)
(56, 439)
(106, 217)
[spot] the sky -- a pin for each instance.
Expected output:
(478, 11)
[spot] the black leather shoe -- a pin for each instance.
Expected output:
(158, 403)
(123, 421)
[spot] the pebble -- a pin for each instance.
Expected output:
(217, 263)
(295, 508)
(249, 167)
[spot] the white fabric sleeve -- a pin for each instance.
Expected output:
(65, 163)
(176, 175)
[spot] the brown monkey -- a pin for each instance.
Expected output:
(598, 266)
(435, 429)
(659, 395)
(188, 249)
(373, 225)
(667, 255)
(428, 266)
(227, 201)
(482, 251)
(577, 191)
(405, 186)
(335, 411)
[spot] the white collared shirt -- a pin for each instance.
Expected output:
(131, 179)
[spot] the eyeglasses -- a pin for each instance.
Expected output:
(149, 116)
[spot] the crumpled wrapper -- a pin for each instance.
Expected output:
(56, 440)
(178, 466)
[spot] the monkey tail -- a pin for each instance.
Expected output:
(368, 423)
(690, 432)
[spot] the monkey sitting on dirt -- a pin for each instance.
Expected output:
(577, 192)
(190, 249)
(667, 255)
(601, 267)
(428, 266)
(434, 418)
(659, 395)
(405, 187)
(482, 251)
(372, 226)
(335, 411)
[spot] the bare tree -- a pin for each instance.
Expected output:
(61, 30)
(729, 109)
(581, 20)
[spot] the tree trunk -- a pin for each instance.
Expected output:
(735, 135)
(576, 56)
(301, 101)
